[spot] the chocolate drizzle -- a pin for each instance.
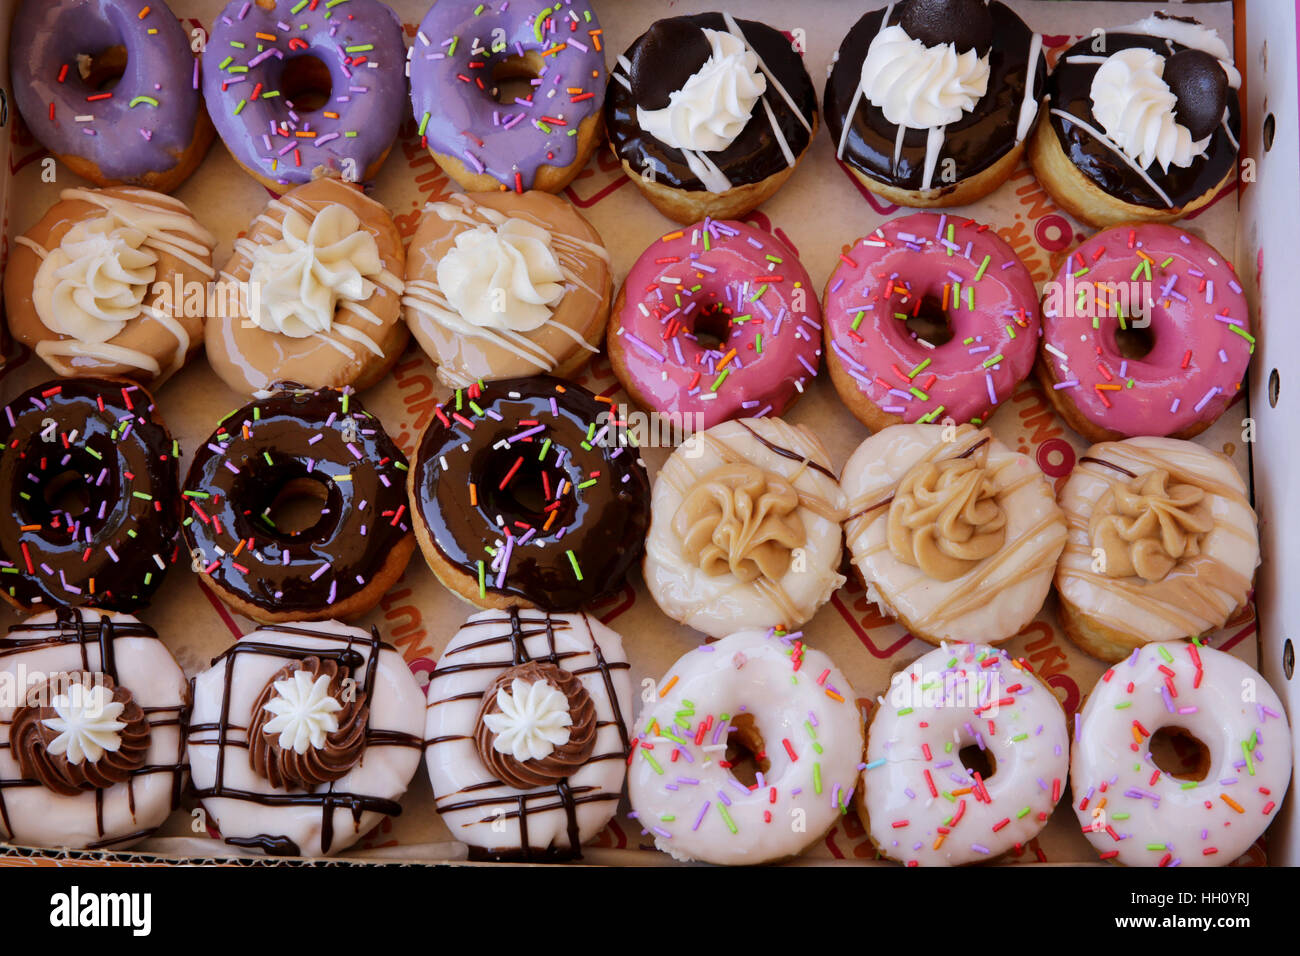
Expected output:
(90, 476)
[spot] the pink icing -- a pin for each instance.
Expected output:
(748, 288)
(914, 264)
(1200, 327)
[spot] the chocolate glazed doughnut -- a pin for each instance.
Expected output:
(299, 444)
(526, 490)
(90, 475)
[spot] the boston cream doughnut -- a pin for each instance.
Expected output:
(322, 271)
(93, 755)
(920, 800)
(745, 528)
(303, 737)
(954, 533)
(500, 285)
(786, 704)
(527, 738)
(111, 282)
(1163, 545)
(1208, 814)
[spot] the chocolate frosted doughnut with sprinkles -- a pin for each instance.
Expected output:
(508, 95)
(149, 128)
(1137, 803)
(300, 87)
(528, 491)
(299, 451)
(716, 321)
(90, 475)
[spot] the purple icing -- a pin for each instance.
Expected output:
(146, 122)
(358, 41)
(455, 50)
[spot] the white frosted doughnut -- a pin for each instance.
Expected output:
(577, 777)
(803, 708)
(299, 820)
(86, 646)
(726, 595)
(1138, 815)
(920, 804)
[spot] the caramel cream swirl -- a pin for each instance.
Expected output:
(1146, 526)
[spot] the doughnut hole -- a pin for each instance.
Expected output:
(711, 328)
(746, 755)
(931, 322)
(518, 487)
(104, 69)
(68, 493)
(512, 77)
(306, 83)
(1135, 343)
(1179, 753)
(297, 507)
(977, 761)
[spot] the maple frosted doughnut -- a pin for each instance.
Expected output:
(920, 802)
(1209, 814)
(1197, 337)
(93, 755)
(956, 535)
(790, 707)
(304, 736)
(958, 278)
(1163, 544)
(527, 737)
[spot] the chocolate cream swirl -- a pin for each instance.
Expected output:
(565, 758)
(1146, 526)
(285, 767)
(30, 737)
(740, 519)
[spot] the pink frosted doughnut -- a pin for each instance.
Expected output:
(1198, 334)
(947, 270)
(717, 319)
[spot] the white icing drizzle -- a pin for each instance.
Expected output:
(1110, 144)
(1029, 105)
(933, 147)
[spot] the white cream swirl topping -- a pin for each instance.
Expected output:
(715, 103)
(534, 719)
(305, 713)
(86, 723)
(96, 280)
(1135, 107)
(302, 277)
(921, 87)
(505, 277)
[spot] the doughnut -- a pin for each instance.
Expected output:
(527, 739)
(1146, 131)
(954, 534)
(303, 737)
(709, 115)
(321, 447)
(706, 311)
(501, 285)
(760, 701)
(297, 90)
(929, 317)
(525, 491)
(971, 725)
(1146, 331)
(930, 102)
(1163, 545)
(103, 284)
(93, 750)
(745, 528)
(320, 271)
(470, 66)
(1206, 811)
(149, 129)
(91, 478)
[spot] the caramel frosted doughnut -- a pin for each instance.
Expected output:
(955, 534)
(500, 285)
(527, 732)
(93, 754)
(1163, 545)
(322, 268)
(745, 528)
(303, 736)
(104, 284)
(313, 444)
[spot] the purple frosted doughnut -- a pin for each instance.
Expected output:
(252, 44)
(139, 129)
(456, 49)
